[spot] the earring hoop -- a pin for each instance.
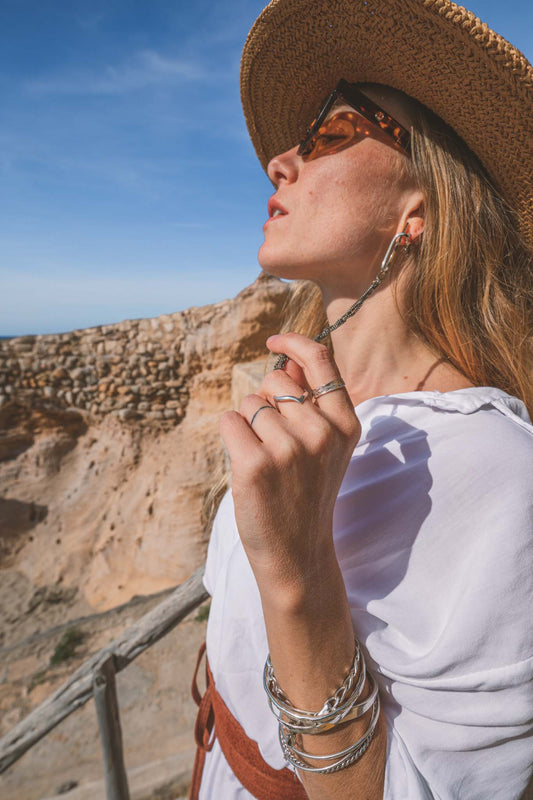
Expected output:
(396, 242)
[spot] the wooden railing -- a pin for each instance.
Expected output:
(96, 678)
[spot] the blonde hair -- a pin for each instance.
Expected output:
(470, 294)
(469, 290)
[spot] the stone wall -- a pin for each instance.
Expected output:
(130, 369)
(136, 369)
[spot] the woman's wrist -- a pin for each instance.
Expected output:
(311, 641)
(310, 633)
(295, 581)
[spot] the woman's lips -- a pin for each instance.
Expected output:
(275, 211)
(270, 220)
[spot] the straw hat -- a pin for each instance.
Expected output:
(433, 50)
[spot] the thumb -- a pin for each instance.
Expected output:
(295, 372)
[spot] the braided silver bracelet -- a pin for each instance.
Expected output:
(345, 757)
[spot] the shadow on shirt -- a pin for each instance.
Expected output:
(382, 504)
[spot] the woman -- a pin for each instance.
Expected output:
(381, 556)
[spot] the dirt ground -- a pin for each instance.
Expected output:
(157, 711)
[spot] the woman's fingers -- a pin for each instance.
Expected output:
(314, 359)
(244, 431)
(241, 443)
(292, 369)
(283, 407)
(318, 368)
(288, 397)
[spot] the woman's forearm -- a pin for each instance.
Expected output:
(311, 643)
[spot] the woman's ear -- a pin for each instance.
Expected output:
(414, 222)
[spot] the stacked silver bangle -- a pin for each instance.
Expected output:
(341, 707)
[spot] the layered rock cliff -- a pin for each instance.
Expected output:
(108, 444)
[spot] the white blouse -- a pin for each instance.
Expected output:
(433, 532)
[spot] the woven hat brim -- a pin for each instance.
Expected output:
(433, 50)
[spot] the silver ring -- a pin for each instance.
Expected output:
(331, 386)
(282, 398)
(257, 412)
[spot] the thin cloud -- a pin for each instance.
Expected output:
(92, 21)
(189, 225)
(146, 69)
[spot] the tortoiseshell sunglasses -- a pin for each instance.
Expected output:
(345, 127)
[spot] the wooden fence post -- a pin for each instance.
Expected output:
(78, 688)
(105, 698)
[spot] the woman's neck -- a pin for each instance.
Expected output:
(378, 355)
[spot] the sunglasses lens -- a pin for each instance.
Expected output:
(307, 142)
(337, 132)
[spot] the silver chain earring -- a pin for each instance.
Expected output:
(399, 240)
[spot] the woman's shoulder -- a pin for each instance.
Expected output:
(470, 451)
(478, 421)
(465, 401)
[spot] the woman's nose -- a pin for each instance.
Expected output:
(284, 167)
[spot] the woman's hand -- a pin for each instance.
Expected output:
(288, 468)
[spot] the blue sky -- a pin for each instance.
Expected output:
(129, 186)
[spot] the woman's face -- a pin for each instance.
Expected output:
(341, 212)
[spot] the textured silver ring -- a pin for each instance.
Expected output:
(331, 386)
(257, 412)
(282, 398)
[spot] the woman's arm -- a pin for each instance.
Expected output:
(287, 472)
(311, 643)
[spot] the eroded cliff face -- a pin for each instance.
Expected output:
(96, 505)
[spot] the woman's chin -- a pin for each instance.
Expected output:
(281, 269)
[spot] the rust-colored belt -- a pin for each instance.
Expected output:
(215, 720)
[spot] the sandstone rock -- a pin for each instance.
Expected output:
(168, 444)
(21, 346)
(60, 372)
(127, 413)
(123, 403)
(154, 415)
